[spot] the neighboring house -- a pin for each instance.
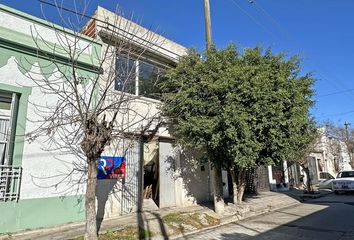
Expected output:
(328, 157)
(279, 177)
(343, 157)
(30, 196)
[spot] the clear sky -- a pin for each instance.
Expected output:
(321, 31)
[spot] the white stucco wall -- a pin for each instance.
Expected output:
(130, 31)
(43, 171)
(40, 32)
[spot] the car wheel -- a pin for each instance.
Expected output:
(336, 192)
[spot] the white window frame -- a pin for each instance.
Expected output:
(10, 175)
(137, 73)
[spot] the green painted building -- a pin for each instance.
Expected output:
(30, 194)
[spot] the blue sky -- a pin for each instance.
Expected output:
(321, 31)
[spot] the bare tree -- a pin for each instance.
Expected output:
(304, 156)
(81, 113)
(334, 148)
(343, 134)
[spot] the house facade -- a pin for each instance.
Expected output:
(34, 192)
(40, 188)
(328, 157)
(165, 174)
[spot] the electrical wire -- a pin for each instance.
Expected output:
(252, 18)
(336, 114)
(278, 26)
(335, 93)
(117, 27)
(261, 10)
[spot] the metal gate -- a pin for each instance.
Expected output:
(257, 180)
(130, 185)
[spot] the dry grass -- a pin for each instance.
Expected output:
(128, 233)
(179, 222)
(211, 220)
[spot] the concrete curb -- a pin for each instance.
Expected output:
(304, 197)
(23, 234)
(261, 210)
(77, 229)
(253, 209)
(230, 219)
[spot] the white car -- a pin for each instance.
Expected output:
(344, 182)
(325, 180)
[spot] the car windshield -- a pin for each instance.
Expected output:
(347, 174)
(326, 175)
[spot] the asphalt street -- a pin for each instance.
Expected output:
(327, 218)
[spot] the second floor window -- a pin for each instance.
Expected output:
(126, 74)
(137, 77)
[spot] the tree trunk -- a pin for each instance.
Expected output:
(234, 186)
(351, 160)
(90, 201)
(308, 179)
(241, 183)
(218, 191)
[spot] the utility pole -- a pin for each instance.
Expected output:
(209, 42)
(219, 203)
(349, 144)
(346, 125)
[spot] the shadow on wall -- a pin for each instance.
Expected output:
(119, 197)
(195, 176)
(104, 189)
(115, 198)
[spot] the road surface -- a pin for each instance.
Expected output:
(327, 218)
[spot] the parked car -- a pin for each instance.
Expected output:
(344, 182)
(325, 180)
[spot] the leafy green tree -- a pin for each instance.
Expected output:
(242, 109)
(280, 107)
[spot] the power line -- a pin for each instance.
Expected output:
(252, 18)
(260, 9)
(337, 114)
(265, 13)
(113, 26)
(278, 26)
(335, 93)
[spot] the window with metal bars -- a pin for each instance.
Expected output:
(10, 181)
(10, 175)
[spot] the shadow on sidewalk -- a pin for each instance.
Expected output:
(144, 224)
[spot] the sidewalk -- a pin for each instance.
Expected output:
(174, 222)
